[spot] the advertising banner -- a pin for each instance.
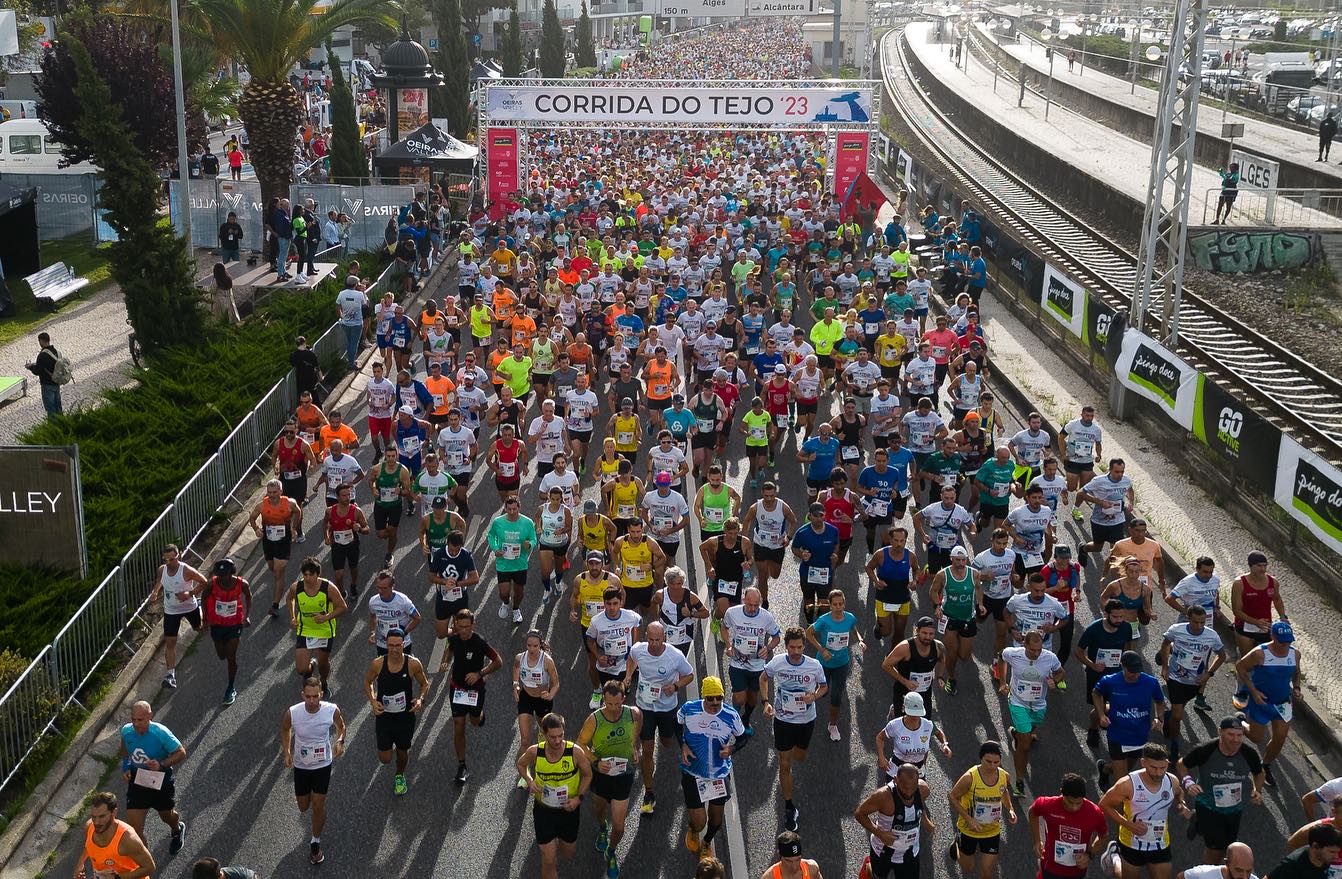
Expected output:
(41, 508)
(631, 103)
(412, 110)
(850, 159)
(502, 157)
(1032, 271)
(1098, 317)
(1310, 489)
(992, 238)
(1236, 433)
(904, 168)
(702, 8)
(1063, 299)
(1151, 370)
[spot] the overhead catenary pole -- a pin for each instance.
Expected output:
(836, 55)
(183, 165)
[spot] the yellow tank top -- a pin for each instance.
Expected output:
(635, 565)
(481, 324)
(984, 802)
(593, 536)
(626, 434)
(308, 607)
(607, 470)
(557, 776)
(590, 598)
(624, 501)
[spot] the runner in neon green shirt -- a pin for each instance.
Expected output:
(516, 372)
(756, 425)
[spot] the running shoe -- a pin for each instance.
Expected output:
(1077, 514)
(715, 626)
(1062, 685)
(771, 461)
(178, 839)
(834, 733)
(503, 610)
(594, 702)
(602, 838)
(386, 561)
(754, 484)
(1240, 700)
(949, 686)
(312, 667)
(230, 695)
(649, 803)
(521, 784)
(1018, 788)
(274, 611)
(517, 615)
(1200, 702)
(299, 538)
(1102, 773)
(791, 815)
(691, 840)
(461, 773)
(1268, 778)
(170, 681)
(315, 855)
(545, 595)
(398, 785)
(612, 866)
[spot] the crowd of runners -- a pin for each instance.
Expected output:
(647, 300)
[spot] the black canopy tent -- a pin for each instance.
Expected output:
(19, 255)
(429, 147)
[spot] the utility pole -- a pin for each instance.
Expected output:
(837, 55)
(183, 165)
(1160, 259)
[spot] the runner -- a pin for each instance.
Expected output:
(280, 517)
(890, 572)
(470, 659)
(430, 484)
(111, 845)
(800, 683)
(939, 525)
(1069, 831)
(915, 664)
(1139, 803)
(1130, 704)
(390, 483)
(757, 427)
(511, 537)
(751, 634)
(176, 583)
(728, 565)
(389, 690)
(639, 562)
(1271, 672)
(908, 737)
(831, 635)
(307, 748)
(437, 525)
(709, 734)
(883, 489)
(390, 609)
(609, 637)
(148, 752)
(293, 460)
(608, 737)
(314, 603)
(623, 494)
(791, 864)
(227, 599)
(957, 596)
(677, 608)
(820, 454)
(1190, 654)
(1316, 853)
(556, 530)
(667, 515)
(893, 816)
(1253, 598)
(978, 800)
(1033, 671)
(770, 523)
(1225, 768)
(1080, 447)
(457, 448)
(345, 521)
(663, 671)
(1110, 497)
(816, 547)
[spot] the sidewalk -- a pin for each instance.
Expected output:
(1264, 137)
(1112, 159)
(1182, 517)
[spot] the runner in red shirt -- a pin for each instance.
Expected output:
(840, 510)
(1075, 830)
(945, 346)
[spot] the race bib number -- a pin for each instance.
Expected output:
(904, 840)
(817, 576)
(1064, 853)
(507, 469)
(746, 647)
(1227, 796)
(451, 593)
(1034, 560)
(388, 494)
(715, 515)
(593, 608)
(780, 421)
(792, 702)
(648, 693)
(616, 765)
(532, 677)
(512, 550)
(711, 789)
(225, 609)
(922, 680)
(678, 634)
(1030, 691)
(1154, 835)
(836, 640)
(878, 508)
(988, 813)
(394, 703)
(759, 433)
(1109, 657)
(945, 539)
(313, 755)
(635, 573)
(317, 643)
(707, 425)
(150, 778)
(851, 453)
(469, 698)
(728, 587)
(454, 458)
(942, 622)
(554, 797)
(1080, 450)
(276, 532)
(343, 536)
(292, 474)
(615, 647)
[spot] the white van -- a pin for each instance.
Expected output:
(27, 148)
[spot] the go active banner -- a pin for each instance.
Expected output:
(1151, 370)
(1237, 434)
(628, 102)
(1310, 489)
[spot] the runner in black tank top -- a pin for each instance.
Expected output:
(918, 663)
(729, 566)
(510, 414)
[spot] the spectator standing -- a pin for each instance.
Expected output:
(1327, 131)
(350, 303)
(307, 369)
(230, 239)
(45, 368)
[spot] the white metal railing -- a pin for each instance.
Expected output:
(117, 613)
(1293, 208)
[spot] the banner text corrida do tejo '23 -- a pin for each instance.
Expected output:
(633, 104)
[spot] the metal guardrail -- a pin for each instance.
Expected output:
(117, 613)
(1294, 208)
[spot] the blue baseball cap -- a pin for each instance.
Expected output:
(1282, 631)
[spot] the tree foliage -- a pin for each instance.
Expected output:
(472, 10)
(510, 53)
(453, 61)
(349, 165)
(552, 60)
(149, 261)
(135, 72)
(584, 46)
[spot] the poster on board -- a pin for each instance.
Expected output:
(1151, 370)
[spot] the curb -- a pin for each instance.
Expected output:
(134, 669)
(1314, 712)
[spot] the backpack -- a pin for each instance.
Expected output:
(62, 373)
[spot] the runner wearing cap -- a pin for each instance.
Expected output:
(667, 515)
(1271, 672)
(816, 547)
(679, 420)
(908, 738)
(709, 731)
(957, 596)
(588, 600)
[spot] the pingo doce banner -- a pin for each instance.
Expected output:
(634, 104)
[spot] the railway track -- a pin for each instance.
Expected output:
(1301, 398)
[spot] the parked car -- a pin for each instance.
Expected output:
(1320, 110)
(1300, 108)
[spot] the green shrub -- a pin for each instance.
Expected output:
(142, 444)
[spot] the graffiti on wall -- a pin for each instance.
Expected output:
(1230, 252)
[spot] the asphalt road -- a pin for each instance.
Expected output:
(237, 795)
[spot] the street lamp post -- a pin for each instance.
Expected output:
(1085, 19)
(183, 165)
(1135, 28)
(1046, 37)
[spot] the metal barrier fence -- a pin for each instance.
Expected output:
(1292, 208)
(116, 614)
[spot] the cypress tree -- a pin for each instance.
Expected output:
(584, 46)
(349, 165)
(552, 42)
(510, 55)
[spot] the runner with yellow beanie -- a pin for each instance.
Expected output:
(709, 729)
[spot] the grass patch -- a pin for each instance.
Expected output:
(1314, 293)
(87, 260)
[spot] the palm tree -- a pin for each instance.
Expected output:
(269, 37)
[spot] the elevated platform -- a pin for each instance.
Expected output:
(252, 285)
(1067, 153)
